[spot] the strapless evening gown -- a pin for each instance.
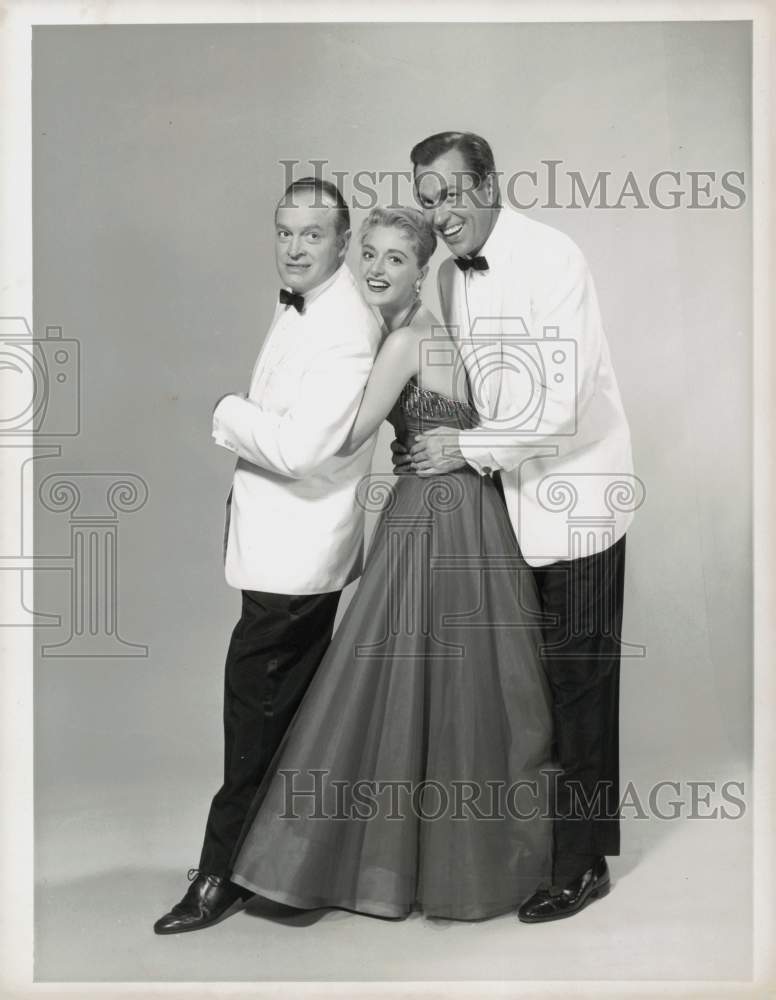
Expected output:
(417, 770)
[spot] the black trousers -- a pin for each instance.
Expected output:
(582, 601)
(274, 651)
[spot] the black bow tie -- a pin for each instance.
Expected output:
(478, 263)
(292, 299)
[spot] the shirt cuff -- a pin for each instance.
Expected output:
(219, 433)
(223, 442)
(479, 458)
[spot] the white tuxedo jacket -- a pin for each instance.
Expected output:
(293, 524)
(552, 422)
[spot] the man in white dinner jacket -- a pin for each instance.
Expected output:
(295, 531)
(553, 434)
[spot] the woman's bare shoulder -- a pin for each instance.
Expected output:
(424, 327)
(402, 350)
(439, 363)
(434, 339)
(418, 341)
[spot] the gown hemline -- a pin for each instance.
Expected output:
(369, 907)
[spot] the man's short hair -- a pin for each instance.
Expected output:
(325, 189)
(476, 152)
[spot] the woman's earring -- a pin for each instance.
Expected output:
(417, 287)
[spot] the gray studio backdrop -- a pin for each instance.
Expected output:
(156, 159)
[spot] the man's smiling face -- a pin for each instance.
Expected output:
(461, 210)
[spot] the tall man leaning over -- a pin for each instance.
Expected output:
(522, 300)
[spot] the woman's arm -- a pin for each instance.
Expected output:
(396, 363)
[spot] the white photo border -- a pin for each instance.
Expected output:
(17, 18)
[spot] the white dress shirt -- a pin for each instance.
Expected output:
(293, 523)
(552, 421)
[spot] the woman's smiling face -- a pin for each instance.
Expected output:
(389, 267)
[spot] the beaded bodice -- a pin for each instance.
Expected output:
(418, 410)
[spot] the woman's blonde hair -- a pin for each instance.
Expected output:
(412, 222)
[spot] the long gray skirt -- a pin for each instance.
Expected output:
(417, 772)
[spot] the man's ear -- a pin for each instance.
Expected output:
(344, 241)
(490, 183)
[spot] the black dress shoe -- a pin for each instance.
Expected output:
(554, 902)
(210, 898)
